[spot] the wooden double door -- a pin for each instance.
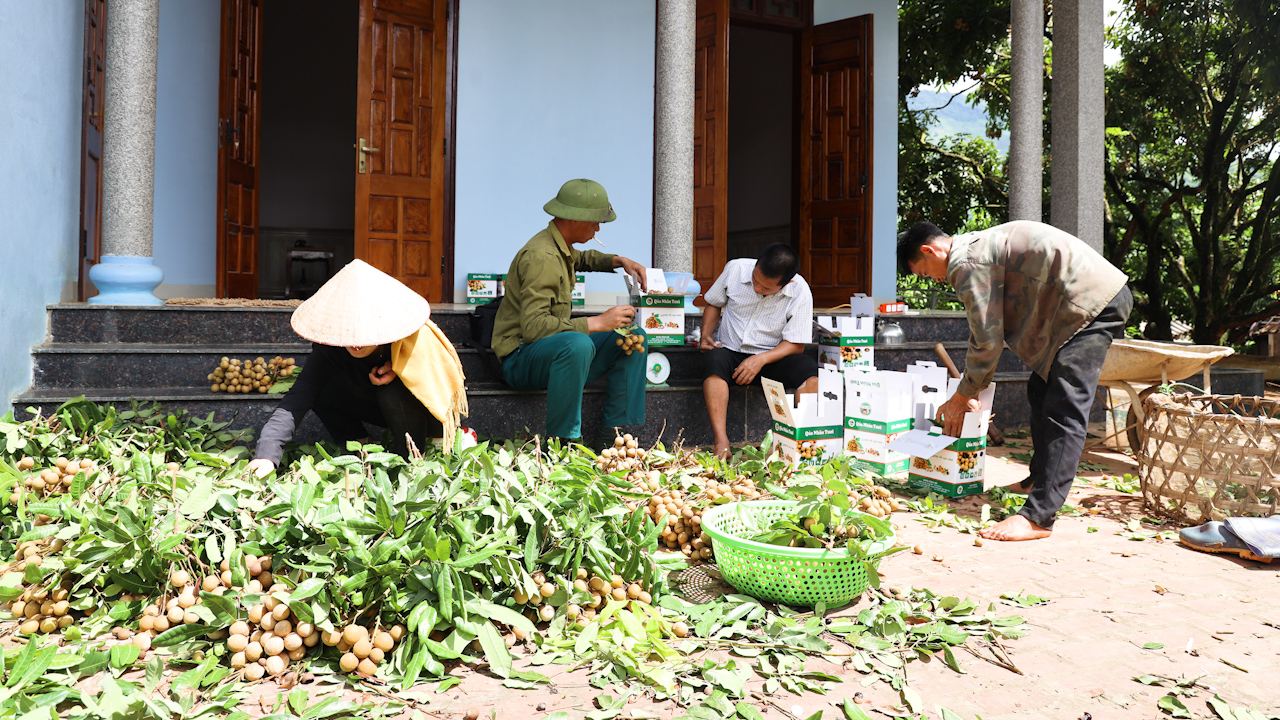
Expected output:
(832, 214)
(403, 169)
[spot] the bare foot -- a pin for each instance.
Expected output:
(1016, 527)
(721, 450)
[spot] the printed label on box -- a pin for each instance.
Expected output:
(847, 343)
(661, 316)
(579, 295)
(482, 287)
(809, 430)
(960, 468)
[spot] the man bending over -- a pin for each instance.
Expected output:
(1053, 301)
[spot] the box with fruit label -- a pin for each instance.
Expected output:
(878, 408)
(661, 316)
(483, 287)
(579, 296)
(958, 469)
(847, 343)
(808, 427)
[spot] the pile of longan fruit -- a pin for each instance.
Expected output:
(631, 343)
(28, 553)
(51, 481)
(257, 375)
(626, 454)
(600, 589)
(879, 502)
(42, 608)
(362, 649)
(269, 640)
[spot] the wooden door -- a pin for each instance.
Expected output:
(835, 159)
(239, 115)
(95, 34)
(401, 119)
(710, 141)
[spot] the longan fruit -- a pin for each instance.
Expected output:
(253, 651)
(305, 629)
(275, 665)
(49, 624)
(282, 628)
(237, 643)
(268, 621)
(273, 645)
(280, 612)
(311, 640)
(297, 654)
(397, 632)
(331, 638)
(633, 591)
(254, 672)
(383, 641)
(179, 578)
(377, 655)
(225, 577)
(679, 629)
(65, 622)
(255, 613)
(210, 582)
(349, 663)
(175, 615)
(546, 612)
(354, 634)
(547, 589)
(292, 641)
(240, 627)
(146, 622)
(619, 594)
(190, 618)
(362, 648)
(266, 578)
(30, 627)
(142, 641)
(366, 667)
(160, 624)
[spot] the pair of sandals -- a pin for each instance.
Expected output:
(1249, 537)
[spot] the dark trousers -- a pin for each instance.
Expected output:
(792, 371)
(345, 406)
(1060, 410)
(563, 363)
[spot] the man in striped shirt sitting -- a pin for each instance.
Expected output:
(756, 323)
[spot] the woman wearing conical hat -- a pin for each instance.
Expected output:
(376, 358)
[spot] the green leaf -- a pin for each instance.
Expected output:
(912, 699)
(124, 655)
(181, 633)
(504, 615)
(946, 714)
(200, 499)
(495, 650)
(747, 711)
(1173, 706)
(1153, 646)
(307, 588)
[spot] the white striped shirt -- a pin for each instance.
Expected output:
(753, 323)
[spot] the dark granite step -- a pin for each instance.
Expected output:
(122, 365)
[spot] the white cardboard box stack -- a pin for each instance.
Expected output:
(849, 343)
(878, 408)
(960, 468)
(810, 428)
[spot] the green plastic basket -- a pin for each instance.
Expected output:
(788, 575)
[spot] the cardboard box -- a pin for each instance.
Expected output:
(659, 314)
(959, 469)
(809, 429)
(878, 409)
(579, 295)
(847, 343)
(483, 287)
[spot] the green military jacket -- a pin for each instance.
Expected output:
(1028, 286)
(539, 290)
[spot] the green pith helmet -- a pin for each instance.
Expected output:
(583, 200)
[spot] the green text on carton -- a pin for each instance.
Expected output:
(959, 469)
(847, 342)
(878, 408)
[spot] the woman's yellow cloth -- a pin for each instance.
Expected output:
(428, 365)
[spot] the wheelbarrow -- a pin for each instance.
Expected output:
(1145, 362)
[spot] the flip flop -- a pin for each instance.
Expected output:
(1262, 535)
(1216, 537)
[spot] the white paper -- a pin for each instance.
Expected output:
(920, 443)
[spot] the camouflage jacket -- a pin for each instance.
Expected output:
(539, 290)
(1027, 286)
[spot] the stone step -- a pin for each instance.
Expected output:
(123, 365)
(114, 365)
(193, 325)
(499, 411)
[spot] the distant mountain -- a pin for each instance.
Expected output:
(958, 117)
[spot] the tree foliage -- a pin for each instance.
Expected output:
(1193, 145)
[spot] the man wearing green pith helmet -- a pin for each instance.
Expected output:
(541, 346)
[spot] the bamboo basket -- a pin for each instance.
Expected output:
(1207, 457)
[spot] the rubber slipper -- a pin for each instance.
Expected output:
(1215, 537)
(1262, 535)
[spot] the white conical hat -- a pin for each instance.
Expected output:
(359, 307)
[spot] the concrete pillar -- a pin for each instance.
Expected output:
(127, 275)
(1026, 111)
(673, 136)
(1079, 102)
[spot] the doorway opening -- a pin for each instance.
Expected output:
(762, 107)
(307, 164)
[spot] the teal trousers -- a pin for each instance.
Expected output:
(563, 363)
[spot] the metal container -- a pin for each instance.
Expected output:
(889, 333)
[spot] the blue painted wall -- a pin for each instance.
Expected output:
(41, 46)
(548, 92)
(884, 208)
(187, 145)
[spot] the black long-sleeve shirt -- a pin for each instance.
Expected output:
(325, 364)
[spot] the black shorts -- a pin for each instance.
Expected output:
(792, 371)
